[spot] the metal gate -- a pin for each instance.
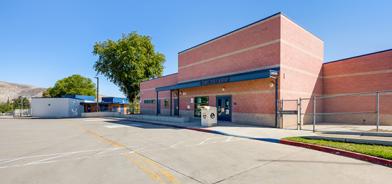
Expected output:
(289, 112)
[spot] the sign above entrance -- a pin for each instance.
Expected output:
(258, 74)
(215, 81)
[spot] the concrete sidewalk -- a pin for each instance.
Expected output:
(365, 134)
(236, 130)
(345, 134)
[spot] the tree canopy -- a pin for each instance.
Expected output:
(128, 61)
(72, 85)
(16, 103)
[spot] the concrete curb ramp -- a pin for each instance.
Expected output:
(358, 156)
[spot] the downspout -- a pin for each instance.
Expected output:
(178, 102)
(276, 102)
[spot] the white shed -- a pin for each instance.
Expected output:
(56, 107)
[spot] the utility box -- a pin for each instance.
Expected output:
(208, 116)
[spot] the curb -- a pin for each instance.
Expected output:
(353, 140)
(358, 156)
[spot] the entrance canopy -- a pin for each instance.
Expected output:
(258, 74)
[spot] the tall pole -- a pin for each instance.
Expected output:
(97, 94)
(21, 106)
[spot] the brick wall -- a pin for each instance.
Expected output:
(147, 91)
(368, 73)
(300, 74)
(256, 46)
(278, 42)
(252, 101)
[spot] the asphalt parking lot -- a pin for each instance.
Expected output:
(97, 150)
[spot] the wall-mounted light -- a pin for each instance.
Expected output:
(271, 84)
(223, 88)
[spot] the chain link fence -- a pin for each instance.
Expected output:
(370, 111)
(19, 113)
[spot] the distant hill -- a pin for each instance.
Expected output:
(13, 90)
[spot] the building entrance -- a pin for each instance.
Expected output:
(223, 105)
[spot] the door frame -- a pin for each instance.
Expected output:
(231, 105)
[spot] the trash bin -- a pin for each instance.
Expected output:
(208, 116)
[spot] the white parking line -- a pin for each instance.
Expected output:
(92, 120)
(176, 144)
(116, 126)
(46, 155)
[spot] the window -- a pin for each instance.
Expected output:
(149, 101)
(166, 103)
(200, 101)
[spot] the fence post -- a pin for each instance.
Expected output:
(378, 109)
(314, 113)
(298, 114)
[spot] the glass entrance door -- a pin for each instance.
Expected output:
(176, 110)
(223, 106)
(159, 106)
(199, 102)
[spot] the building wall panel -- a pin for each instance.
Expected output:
(364, 74)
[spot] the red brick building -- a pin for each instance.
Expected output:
(245, 72)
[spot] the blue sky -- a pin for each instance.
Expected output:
(43, 41)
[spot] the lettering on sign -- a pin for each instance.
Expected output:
(214, 81)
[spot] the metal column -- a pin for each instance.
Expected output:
(156, 102)
(378, 109)
(178, 102)
(171, 100)
(298, 114)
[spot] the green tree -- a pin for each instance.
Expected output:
(72, 85)
(46, 92)
(5, 107)
(128, 61)
(17, 103)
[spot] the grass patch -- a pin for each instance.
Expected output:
(368, 149)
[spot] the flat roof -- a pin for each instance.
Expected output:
(377, 52)
(243, 27)
(160, 77)
(230, 32)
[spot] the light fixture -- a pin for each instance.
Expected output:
(274, 74)
(223, 88)
(271, 84)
